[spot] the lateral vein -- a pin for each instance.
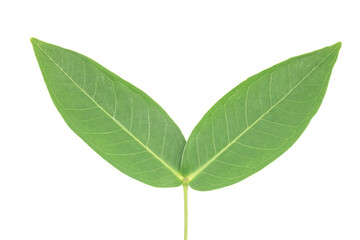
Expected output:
(177, 174)
(197, 172)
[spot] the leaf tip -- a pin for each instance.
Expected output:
(33, 40)
(337, 45)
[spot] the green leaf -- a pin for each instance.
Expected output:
(257, 121)
(119, 121)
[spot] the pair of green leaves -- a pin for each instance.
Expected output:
(246, 130)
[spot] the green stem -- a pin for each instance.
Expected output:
(185, 185)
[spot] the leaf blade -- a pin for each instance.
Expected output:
(97, 104)
(289, 91)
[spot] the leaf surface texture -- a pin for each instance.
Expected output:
(116, 119)
(257, 121)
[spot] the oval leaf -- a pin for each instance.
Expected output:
(119, 121)
(257, 121)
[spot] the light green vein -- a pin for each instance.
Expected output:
(197, 172)
(177, 174)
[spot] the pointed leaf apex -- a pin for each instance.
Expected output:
(337, 45)
(32, 40)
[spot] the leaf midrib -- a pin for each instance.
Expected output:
(177, 174)
(193, 175)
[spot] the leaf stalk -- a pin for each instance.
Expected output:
(185, 186)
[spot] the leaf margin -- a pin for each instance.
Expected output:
(192, 175)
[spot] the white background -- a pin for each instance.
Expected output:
(186, 55)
